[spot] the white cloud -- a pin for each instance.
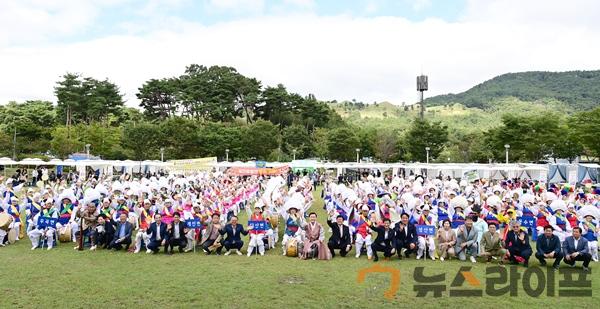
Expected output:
(239, 5)
(419, 5)
(301, 3)
(339, 57)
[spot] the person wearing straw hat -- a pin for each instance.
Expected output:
(293, 223)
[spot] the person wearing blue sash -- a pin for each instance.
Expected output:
(47, 231)
(458, 218)
(590, 232)
(442, 212)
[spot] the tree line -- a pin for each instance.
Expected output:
(207, 110)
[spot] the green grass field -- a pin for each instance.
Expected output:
(67, 278)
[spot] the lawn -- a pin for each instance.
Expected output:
(67, 278)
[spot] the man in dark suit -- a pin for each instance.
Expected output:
(122, 234)
(340, 239)
(385, 241)
(575, 248)
(234, 232)
(176, 234)
(104, 231)
(548, 247)
(406, 236)
(517, 244)
(158, 235)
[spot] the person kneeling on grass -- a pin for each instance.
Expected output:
(211, 238)
(491, 244)
(158, 235)
(122, 233)
(575, 248)
(176, 231)
(446, 240)
(385, 241)
(340, 238)
(548, 247)
(466, 241)
(517, 244)
(234, 232)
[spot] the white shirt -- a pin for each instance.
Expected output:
(176, 232)
(157, 232)
(575, 242)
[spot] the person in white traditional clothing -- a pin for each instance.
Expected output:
(48, 232)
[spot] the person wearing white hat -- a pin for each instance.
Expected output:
(34, 235)
(363, 233)
(590, 231)
(426, 240)
(256, 236)
(562, 227)
(293, 224)
(14, 210)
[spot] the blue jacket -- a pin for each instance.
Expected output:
(239, 230)
(569, 245)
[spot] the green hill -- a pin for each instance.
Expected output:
(579, 90)
(456, 116)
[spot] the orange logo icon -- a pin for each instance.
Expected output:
(394, 282)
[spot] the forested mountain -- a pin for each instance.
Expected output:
(579, 90)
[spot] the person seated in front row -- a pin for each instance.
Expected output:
(575, 248)
(122, 233)
(491, 244)
(385, 241)
(103, 233)
(406, 236)
(313, 244)
(211, 238)
(158, 235)
(517, 244)
(176, 234)
(340, 237)
(234, 232)
(548, 247)
(446, 240)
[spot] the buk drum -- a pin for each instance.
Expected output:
(64, 233)
(5, 221)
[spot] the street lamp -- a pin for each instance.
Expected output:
(162, 154)
(87, 150)
(294, 151)
(357, 157)
(427, 152)
(507, 146)
(227, 154)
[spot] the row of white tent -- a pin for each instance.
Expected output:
(553, 173)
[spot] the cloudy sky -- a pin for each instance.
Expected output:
(369, 50)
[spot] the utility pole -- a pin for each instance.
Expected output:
(15, 145)
(422, 86)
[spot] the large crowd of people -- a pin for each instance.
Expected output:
(441, 218)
